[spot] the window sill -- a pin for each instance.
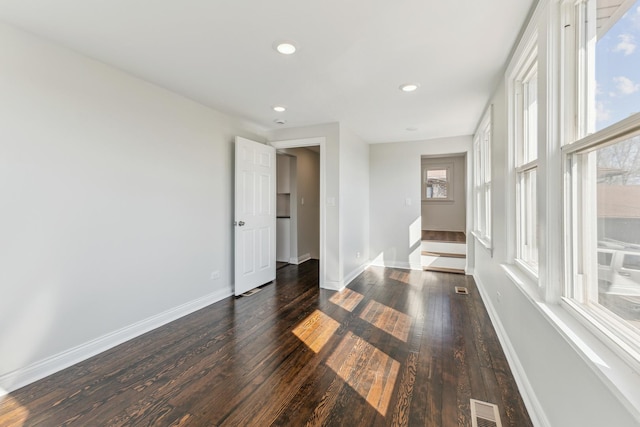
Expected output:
(611, 368)
(526, 270)
(484, 241)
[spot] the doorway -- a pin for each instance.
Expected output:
(443, 213)
(300, 202)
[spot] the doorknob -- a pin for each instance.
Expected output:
(241, 223)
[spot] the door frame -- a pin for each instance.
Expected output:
(308, 142)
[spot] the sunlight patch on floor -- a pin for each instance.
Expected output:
(316, 330)
(11, 411)
(400, 276)
(347, 299)
(366, 369)
(386, 318)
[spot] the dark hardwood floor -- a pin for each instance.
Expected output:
(397, 348)
(444, 236)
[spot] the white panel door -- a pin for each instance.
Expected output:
(255, 215)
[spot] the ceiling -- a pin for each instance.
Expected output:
(352, 55)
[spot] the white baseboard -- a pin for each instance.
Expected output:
(536, 412)
(19, 378)
(333, 285)
(355, 273)
(396, 264)
(299, 260)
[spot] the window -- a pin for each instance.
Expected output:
(437, 182)
(632, 262)
(604, 216)
(602, 158)
(526, 162)
(603, 63)
(482, 181)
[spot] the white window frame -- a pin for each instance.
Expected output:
(524, 163)
(438, 166)
(581, 263)
(577, 116)
(482, 143)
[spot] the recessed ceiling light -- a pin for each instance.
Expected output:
(280, 121)
(279, 108)
(409, 87)
(285, 48)
(412, 129)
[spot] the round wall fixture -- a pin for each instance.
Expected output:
(279, 108)
(280, 121)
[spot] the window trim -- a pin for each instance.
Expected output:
(450, 186)
(527, 66)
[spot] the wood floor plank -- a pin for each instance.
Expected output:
(397, 347)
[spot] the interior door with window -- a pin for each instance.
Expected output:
(255, 215)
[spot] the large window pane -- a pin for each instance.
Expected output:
(530, 140)
(527, 219)
(617, 61)
(617, 195)
(437, 184)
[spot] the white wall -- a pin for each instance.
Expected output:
(354, 202)
(116, 200)
(444, 214)
(395, 209)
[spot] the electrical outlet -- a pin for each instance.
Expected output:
(215, 275)
(302, 201)
(357, 254)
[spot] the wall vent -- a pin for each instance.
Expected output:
(462, 290)
(484, 414)
(251, 292)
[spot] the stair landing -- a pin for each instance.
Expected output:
(444, 251)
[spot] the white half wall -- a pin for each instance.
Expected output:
(116, 200)
(395, 209)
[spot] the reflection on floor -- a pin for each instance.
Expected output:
(398, 347)
(279, 265)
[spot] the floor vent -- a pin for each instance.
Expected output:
(251, 292)
(484, 414)
(462, 291)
